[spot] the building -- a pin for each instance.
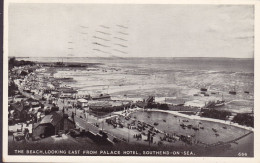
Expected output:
(101, 97)
(150, 99)
(108, 106)
(146, 102)
(82, 103)
(67, 92)
(19, 114)
(52, 124)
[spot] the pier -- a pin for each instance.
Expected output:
(228, 142)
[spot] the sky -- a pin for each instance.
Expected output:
(130, 30)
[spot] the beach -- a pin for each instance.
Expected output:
(134, 83)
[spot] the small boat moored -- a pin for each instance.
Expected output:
(195, 128)
(189, 126)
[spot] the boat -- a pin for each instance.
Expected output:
(59, 64)
(120, 125)
(164, 120)
(220, 103)
(182, 125)
(65, 79)
(185, 120)
(155, 123)
(189, 126)
(214, 129)
(233, 92)
(203, 89)
(101, 96)
(213, 104)
(195, 128)
(217, 134)
(224, 127)
(247, 92)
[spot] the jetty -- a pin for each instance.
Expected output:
(227, 142)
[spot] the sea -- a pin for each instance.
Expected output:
(188, 63)
(170, 80)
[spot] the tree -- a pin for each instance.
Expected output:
(11, 62)
(217, 114)
(244, 119)
(163, 107)
(12, 88)
(24, 73)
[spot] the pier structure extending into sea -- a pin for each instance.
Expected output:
(227, 142)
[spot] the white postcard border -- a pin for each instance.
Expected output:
(29, 158)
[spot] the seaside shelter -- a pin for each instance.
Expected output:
(82, 103)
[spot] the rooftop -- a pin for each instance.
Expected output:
(82, 100)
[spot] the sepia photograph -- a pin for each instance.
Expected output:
(111, 79)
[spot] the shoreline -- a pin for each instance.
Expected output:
(122, 134)
(194, 117)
